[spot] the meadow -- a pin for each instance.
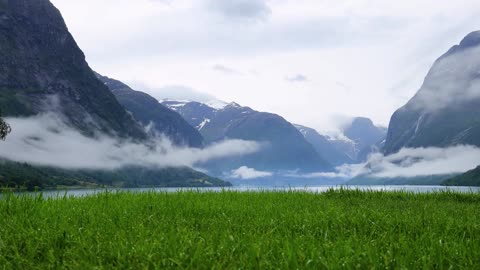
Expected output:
(338, 229)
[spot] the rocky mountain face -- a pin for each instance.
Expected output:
(361, 138)
(43, 69)
(195, 113)
(446, 109)
(150, 113)
(283, 146)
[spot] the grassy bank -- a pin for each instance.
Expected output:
(229, 230)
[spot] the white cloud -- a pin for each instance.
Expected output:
(174, 92)
(251, 10)
(45, 140)
(407, 163)
(413, 162)
(247, 173)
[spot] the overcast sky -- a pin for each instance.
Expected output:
(314, 62)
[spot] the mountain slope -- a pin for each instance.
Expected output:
(336, 152)
(366, 135)
(470, 178)
(446, 110)
(148, 110)
(361, 138)
(284, 148)
(43, 69)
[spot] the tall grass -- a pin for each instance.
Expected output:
(242, 230)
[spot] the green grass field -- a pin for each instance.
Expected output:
(242, 230)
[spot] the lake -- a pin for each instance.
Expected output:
(313, 189)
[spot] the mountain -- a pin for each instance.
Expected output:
(148, 111)
(470, 178)
(283, 146)
(446, 109)
(42, 69)
(335, 151)
(367, 137)
(361, 138)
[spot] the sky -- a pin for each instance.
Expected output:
(315, 62)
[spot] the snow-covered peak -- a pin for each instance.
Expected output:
(234, 104)
(330, 136)
(174, 104)
(216, 104)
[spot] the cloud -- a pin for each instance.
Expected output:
(47, 141)
(226, 70)
(247, 173)
(415, 162)
(407, 163)
(343, 85)
(297, 78)
(251, 10)
(166, 2)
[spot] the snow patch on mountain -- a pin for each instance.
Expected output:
(340, 137)
(205, 121)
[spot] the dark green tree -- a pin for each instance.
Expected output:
(4, 129)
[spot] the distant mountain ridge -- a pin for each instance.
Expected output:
(335, 151)
(446, 109)
(151, 113)
(284, 148)
(362, 138)
(368, 138)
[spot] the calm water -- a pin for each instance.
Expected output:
(314, 189)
